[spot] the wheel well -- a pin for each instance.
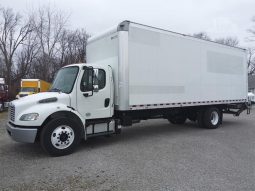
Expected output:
(62, 114)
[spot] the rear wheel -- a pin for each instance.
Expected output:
(209, 118)
(60, 137)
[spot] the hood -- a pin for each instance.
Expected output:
(25, 102)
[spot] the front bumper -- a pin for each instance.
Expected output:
(24, 135)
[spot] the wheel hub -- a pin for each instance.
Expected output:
(214, 118)
(62, 137)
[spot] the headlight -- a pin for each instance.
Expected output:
(29, 117)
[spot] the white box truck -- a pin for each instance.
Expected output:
(134, 72)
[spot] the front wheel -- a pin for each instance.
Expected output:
(60, 137)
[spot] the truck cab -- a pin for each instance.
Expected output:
(78, 105)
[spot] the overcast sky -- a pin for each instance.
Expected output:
(219, 18)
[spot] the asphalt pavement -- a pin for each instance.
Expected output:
(153, 155)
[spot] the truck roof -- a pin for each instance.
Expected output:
(75, 64)
(124, 26)
(30, 79)
(82, 64)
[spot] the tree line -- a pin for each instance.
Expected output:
(36, 45)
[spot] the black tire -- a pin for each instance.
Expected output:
(210, 118)
(60, 129)
(177, 120)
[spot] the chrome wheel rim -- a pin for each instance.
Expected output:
(62, 137)
(214, 118)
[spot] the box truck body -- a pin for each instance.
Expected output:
(32, 86)
(152, 67)
(134, 72)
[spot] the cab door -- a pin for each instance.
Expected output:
(95, 93)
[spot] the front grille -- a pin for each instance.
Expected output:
(12, 112)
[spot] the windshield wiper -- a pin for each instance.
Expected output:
(55, 90)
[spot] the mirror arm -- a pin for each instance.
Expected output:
(92, 81)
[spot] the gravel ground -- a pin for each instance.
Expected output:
(153, 155)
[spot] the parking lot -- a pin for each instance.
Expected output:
(153, 155)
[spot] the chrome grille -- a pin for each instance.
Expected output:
(12, 112)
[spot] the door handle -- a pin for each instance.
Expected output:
(106, 102)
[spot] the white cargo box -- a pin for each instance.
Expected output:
(155, 68)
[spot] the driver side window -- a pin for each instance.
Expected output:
(90, 78)
(99, 78)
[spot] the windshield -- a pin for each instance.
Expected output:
(65, 79)
(27, 89)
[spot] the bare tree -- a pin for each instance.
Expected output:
(230, 41)
(251, 51)
(251, 60)
(2, 68)
(13, 33)
(252, 31)
(73, 47)
(79, 42)
(202, 35)
(38, 46)
(26, 56)
(49, 26)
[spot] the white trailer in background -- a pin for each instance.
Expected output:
(134, 72)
